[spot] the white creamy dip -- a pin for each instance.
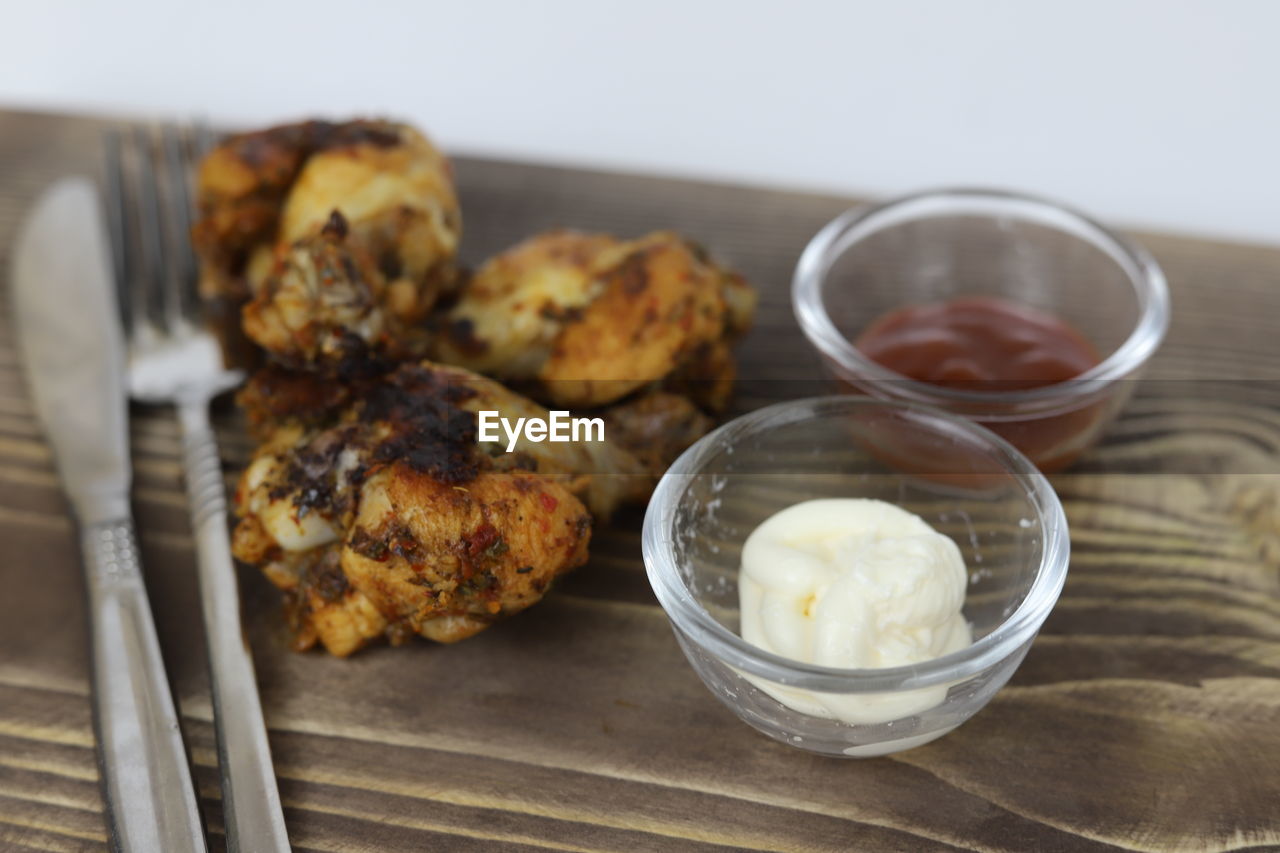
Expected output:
(854, 584)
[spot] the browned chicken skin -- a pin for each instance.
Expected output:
(370, 501)
(327, 305)
(656, 427)
(340, 237)
(383, 515)
(589, 319)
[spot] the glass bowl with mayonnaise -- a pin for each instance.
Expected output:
(854, 576)
(1017, 312)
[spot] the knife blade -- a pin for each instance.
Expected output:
(72, 346)
(72, 351)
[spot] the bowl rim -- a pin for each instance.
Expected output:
(856, 223)
(692, 620)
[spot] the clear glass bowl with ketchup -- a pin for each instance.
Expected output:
(1016, 312)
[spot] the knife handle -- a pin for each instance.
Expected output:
(250, 799)
(146, 779)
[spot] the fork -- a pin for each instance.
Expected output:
(175, 359)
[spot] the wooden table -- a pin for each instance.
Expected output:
(1146, 717)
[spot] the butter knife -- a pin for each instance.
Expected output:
(71, 343)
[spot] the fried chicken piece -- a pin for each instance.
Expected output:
(656, 427)
(423, 556)
(283, 405)
(588, 319)
(275, 395)
(383, 514)
(326, 304)
(449, 560)
(343, 236)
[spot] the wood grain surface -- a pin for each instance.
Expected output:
(1146, 716)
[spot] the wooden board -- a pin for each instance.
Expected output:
(1146, 716)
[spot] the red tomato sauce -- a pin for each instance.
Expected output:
(978, 343)
(981, 343)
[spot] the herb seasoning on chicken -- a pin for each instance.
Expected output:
(339, 237)
(385, 517)
(370, 500)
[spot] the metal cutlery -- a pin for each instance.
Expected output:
(175, 359)
(70, 339)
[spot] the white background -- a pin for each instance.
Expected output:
(1146, 112)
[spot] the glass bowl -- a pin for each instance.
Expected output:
(934, 246)
(968, 483)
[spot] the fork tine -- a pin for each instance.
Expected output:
(177, 180)
(150, 278)
(117, 213)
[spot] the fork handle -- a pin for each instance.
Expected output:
(146, 780)
(250, 799)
